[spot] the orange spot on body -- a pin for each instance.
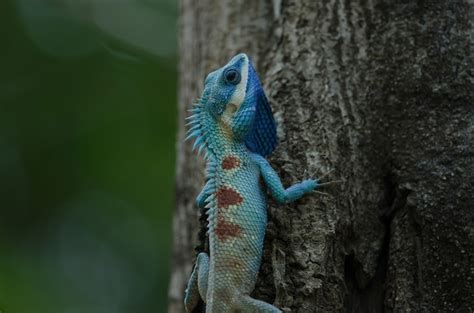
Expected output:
(225, 230)
(230, 162)
(227, 196)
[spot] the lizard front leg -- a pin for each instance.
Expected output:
(273, 182)
(198, 282)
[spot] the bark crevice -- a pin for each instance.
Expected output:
(367, 294)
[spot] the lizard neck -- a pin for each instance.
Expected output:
(220, 141)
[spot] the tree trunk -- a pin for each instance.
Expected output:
(380, 91)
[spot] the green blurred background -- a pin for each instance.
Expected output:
(87, 152)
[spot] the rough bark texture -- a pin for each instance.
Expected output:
(380, 91)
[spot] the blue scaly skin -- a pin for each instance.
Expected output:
(234, 126)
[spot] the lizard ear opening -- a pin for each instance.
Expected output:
(263, 137)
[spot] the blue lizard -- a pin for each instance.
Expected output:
(234, 126)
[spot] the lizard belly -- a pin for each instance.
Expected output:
(236, 234)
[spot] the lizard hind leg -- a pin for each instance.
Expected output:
(251, 305)
(197, 284)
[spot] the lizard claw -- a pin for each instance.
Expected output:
(330, 182)
(319, 179)
(324, 175)
(321, 193)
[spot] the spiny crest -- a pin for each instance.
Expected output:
(196, 129)
(211, 167)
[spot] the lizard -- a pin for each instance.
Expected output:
(233, 125)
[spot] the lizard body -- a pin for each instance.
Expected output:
(233, 124)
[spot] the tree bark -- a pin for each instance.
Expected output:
(380, 91)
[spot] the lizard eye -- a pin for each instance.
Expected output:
(232, 76)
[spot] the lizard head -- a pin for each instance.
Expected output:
(226, 90)
(234, 104)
